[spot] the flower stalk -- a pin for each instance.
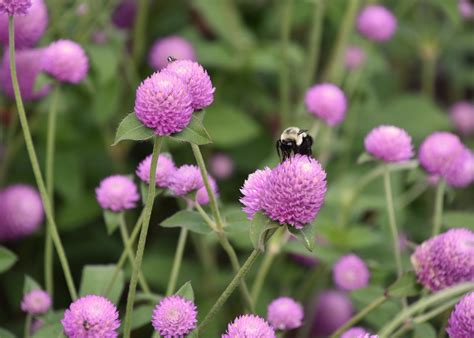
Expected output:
(178, 258)
(438, 210)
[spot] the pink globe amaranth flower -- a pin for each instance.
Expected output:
(92, 317)
(117, 193)
(247, 326)
(466, 9)
(36, 302)
(29, 67)
(222, 166)
(461, 173)
(174, 316)
(15, 7)
(124, 14)
(445, 260)
(66, 61)
(285, 313)
(196, 78)
(163, 103)
(350, 273)
(174, 46)
(332, 309)
(185, 179)
(461, 320)
(295, 191)
(202, 196)
(439, 151)
(252, 191)
(21, 212)
(164, 170)
(355, 332)
(389, 143)
(376, 23)
(327, 102)
(354, 57)
(29, 28)
(462, 116)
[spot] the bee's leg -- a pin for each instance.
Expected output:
(278, 144)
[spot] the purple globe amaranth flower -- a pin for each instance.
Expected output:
(376, 23)
(350, 273)
(15, 7)
(117, 193)
(92, 317)
(439, 151)
(202, 196)
(36, 302)
(461, 320)
(185, 179)
(355, 332)
(389, 143)
(124, 14)
(174, 46)
(285, 313)
(252, 191)
(295, 191)
(249, 326)
(174, 316)
(29, 67)
(29, 28)
(164, 170)
(466, 9)
(21, 211)
(222, 166)
(66, 61)
(196, 78)
(163, 103)
(332, 309)
(462, 116)
(445, 260)
(461, 173)
(327, 102)
(354, 57)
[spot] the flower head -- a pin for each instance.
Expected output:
(174, 316)
(327, 102)
(462, 116)
(350, 273)
(117, 193)
(355, 332)
(202, 196)
(197, 80)
(389, 143)
(91, 316)
(124, 14)
(174, 46)
(376, 23)
(165, 168)
(466, 9)
(253, 190)
(163, 103)
(15, 7)
(222, 166)
(249, 326)
(461, 321)
(445, 260)
(332, 309)
(66, 61)
(21, 211)
(285, 313)
(36, 302)
(185, 179)
(439, 151)
(461, 173)
(354, 57)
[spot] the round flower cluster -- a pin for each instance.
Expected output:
(124, 14)
(165, 168)
(291, 193)
(21, 212)
(327, 102)
(376, 23)
(445, 260)
(171, 46)
(354, 57)
(461, 321)
(91, 316)
(174, 316)
(249, 326)
(222, 166)
(350, 273)
(466, 9)
(355, 332)
(389, 143)
(331, 310)
(117, 193)
(187, 179)
(36, 302)
(285, 313)
(66, 61)
(462, 116)
(15, 7)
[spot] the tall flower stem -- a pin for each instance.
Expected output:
(284, 69)
(178, 258)
(27, 326)
(438, 210)
(139, 29)
(142, 240)
(35, 165)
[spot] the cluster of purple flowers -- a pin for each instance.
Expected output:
(357, 332)
(461, 321)
(350, 273)
(174, 316)
(36, 302)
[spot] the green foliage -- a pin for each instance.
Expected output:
(260, 228)
(190, 220)
(186, 291)
(405, 286)
(111, 220)
(7, 259)
(96, 278)
(132, 129)
(458, 219)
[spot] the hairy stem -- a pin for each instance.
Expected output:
(438, 209)
(262, 273)
(178, 258)
(287, 10)
(27, 326)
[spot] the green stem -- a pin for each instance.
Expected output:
(230, 288)
(262, 274)
(139, 29)
(178, 258)
(438, 210)
(142, 240)
(4, 164)
(35, 165)
(284, 73)
(314, 43)
(326, 145)
(433, 313)
(428, 73)
(27, 326)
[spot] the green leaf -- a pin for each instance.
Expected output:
(424, 330)
(30, 284)
(195, 132)
(141, 316)
(7, 259)
(186, 291)
(112, 220)
(147, 297)
(364, 158)
(405, 286)
(52, 326)
(458, 219)
(259, 228)
(95, 278)
(235, 220)
(190, 220)
(104, 61)
(6, 334)
(354, 237)
(132, 129)
(307, 236)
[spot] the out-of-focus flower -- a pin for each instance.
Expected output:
(36, 325)
(439, 151)
(117, 193)
(466, 9)
(350, 273)
(461, 321)
(354, 57)
(99, 37)
(461, 173)
(327, 102)
(202, 197)
(445, 260)
(249, 326)
(174, 316)
(462, 116)
(389, 143)
(252, 191)
(124, 14)
(376, 23)
(66, 60)
(355, 332)
(332, 309)
(91, 316)
(285, 313)
(29, 28)
(164, 170)
(170, 46)
(21, 212)
(185, 179)
(82, 9)
(36, 302)
(222, 166)
(163, 102)
(15, 7)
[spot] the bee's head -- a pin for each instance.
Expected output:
(293, 134)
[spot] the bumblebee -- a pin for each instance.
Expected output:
(293, 141)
